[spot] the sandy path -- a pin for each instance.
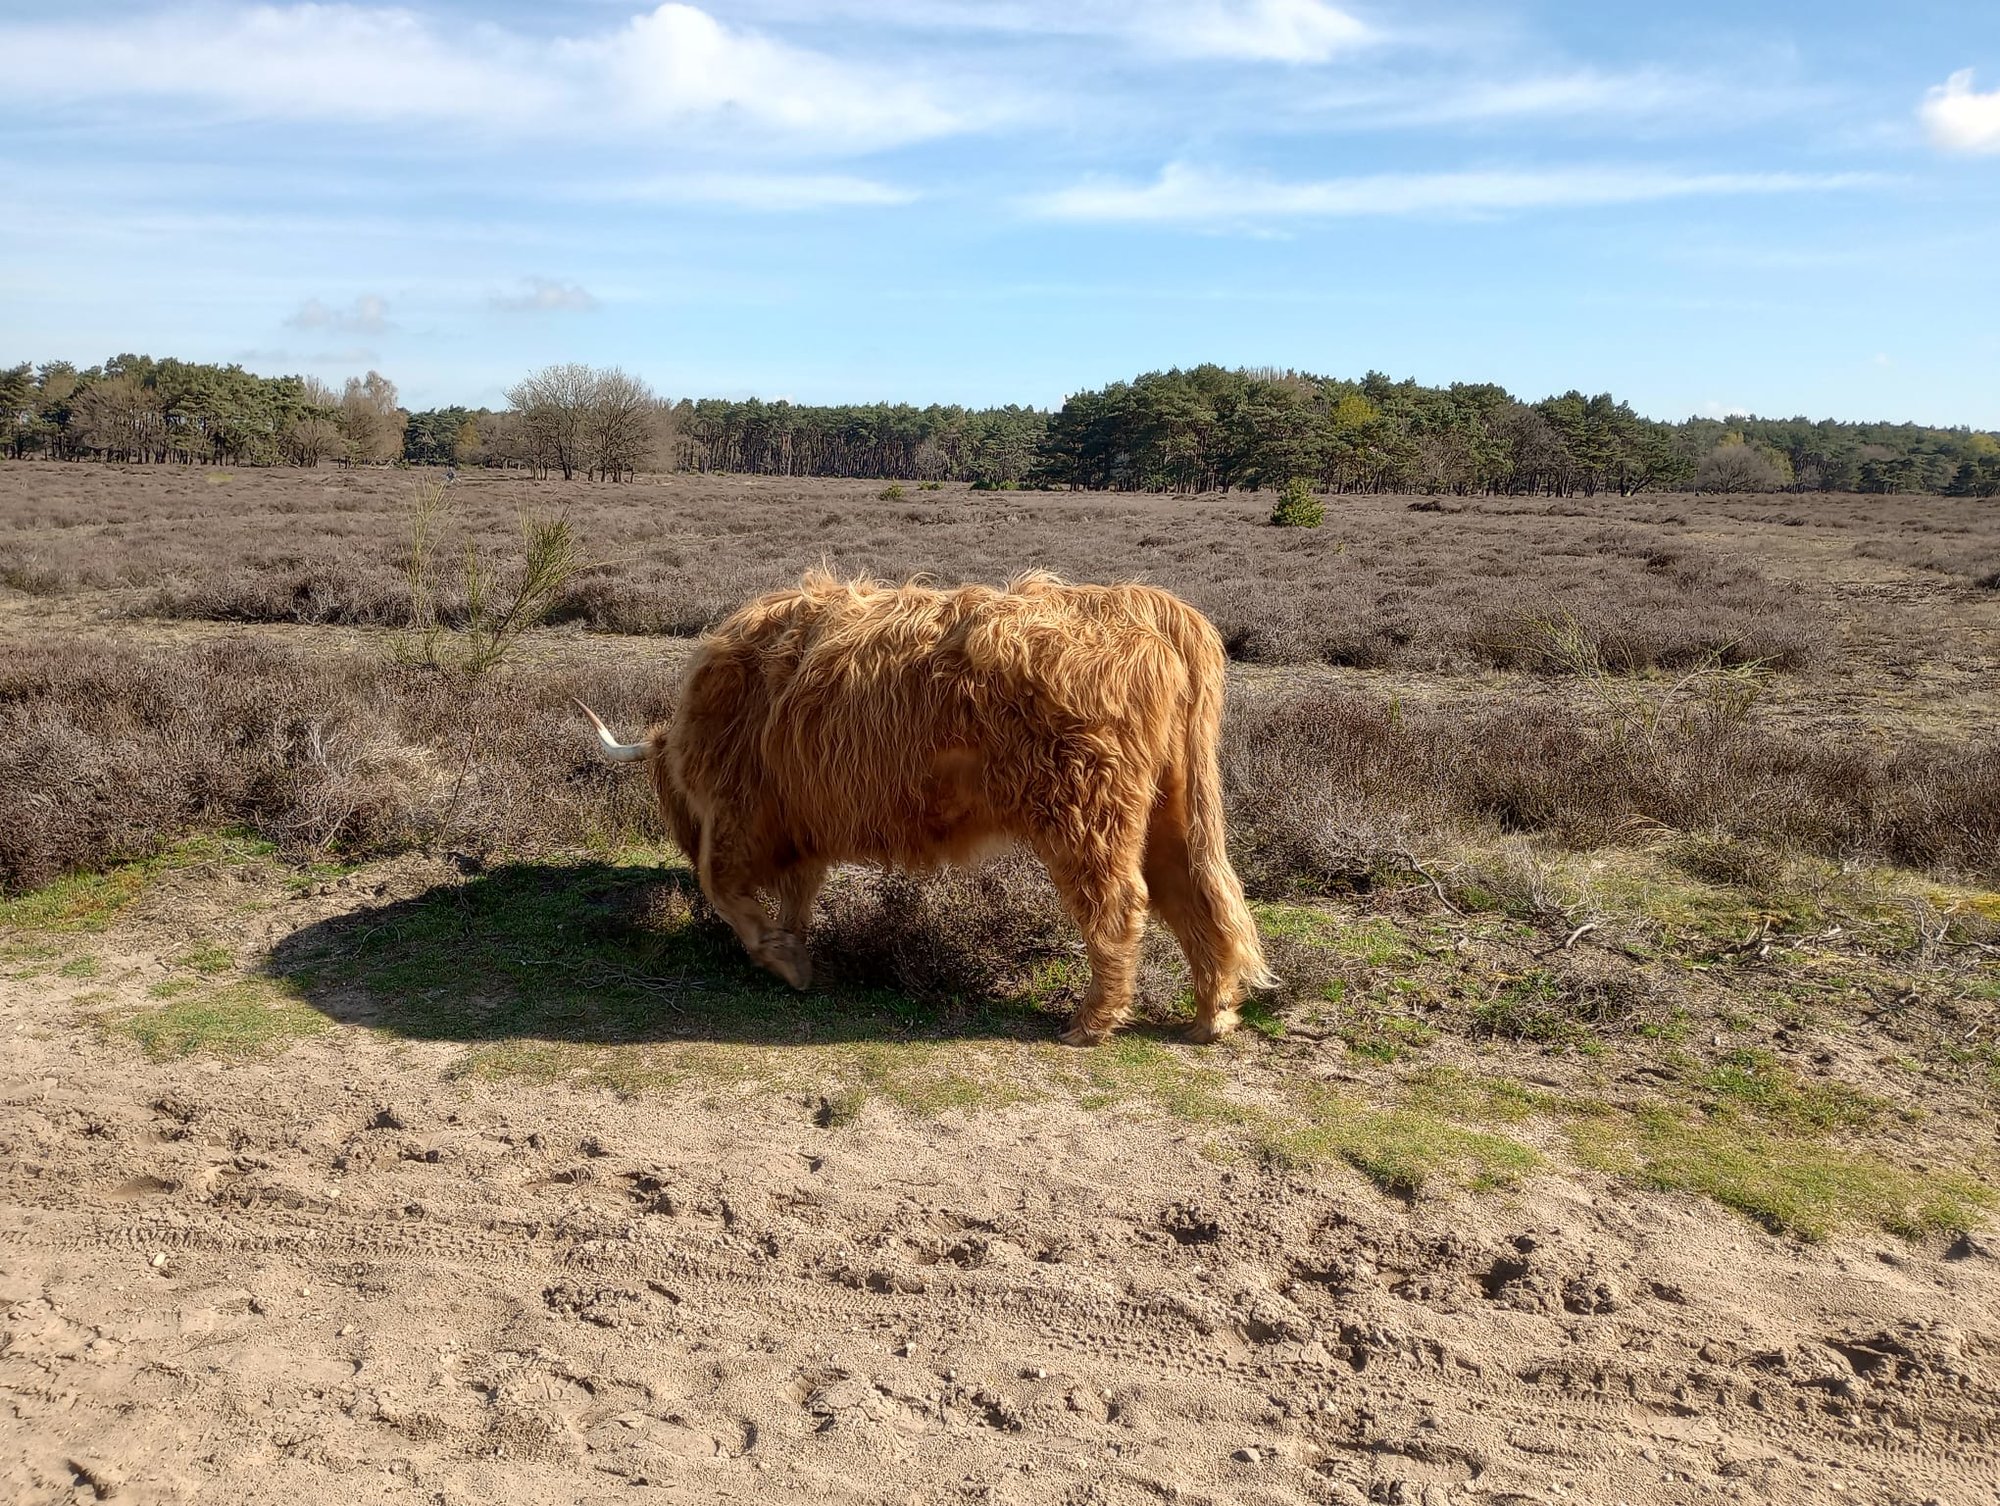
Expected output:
(343, 1273)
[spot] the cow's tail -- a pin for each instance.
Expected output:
(1217, 889)
(614, 750)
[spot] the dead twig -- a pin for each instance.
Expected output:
(1411, 865)
(1573, 937)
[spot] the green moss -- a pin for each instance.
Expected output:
(207, 958)
(1756, 1082)
(1788, 1185)
(244, 1019)
(1401, 1150)
(88, 901)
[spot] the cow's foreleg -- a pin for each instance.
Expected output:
(730, 879)
(798, 887)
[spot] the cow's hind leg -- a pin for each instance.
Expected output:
(1107, 898)
(1171, 886)
(731, 876)
(1204, 909)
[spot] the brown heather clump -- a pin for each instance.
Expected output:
(958, 934)
(1328, 790)
(109, 753)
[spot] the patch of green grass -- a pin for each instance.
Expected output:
(921, 1078)
(1786, 1184)
(85, 966)
(1757, 1082)
(1135, 1066)
(629, 1071)
(27, 959)
(241, 1020)
(1373, 941)
(1260, 1017)
(1535, 1006)
(1401, 1150)
(1453, 1094)
(601, 976)
(172, 988)
(88, 901)
(207, 958)
(1385, 1037)
(304, 879)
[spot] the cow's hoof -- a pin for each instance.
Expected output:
(1208, 1032)
(1080, 1034)
(786, 955)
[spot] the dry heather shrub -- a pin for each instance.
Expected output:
(1379, 585)
(1327, 789)
(957, 934)
(111, 753)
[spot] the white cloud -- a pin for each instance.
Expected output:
(545, 295)
(368, 316)
(1277, 31)
(679, 62)
(754, 191)
(675, 65)
(1193, 195)
(1961, 119)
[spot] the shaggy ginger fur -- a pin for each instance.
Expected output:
(912, 727)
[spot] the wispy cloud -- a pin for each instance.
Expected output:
(674, 65)
(368, 316)
(1960, 118)
(1185, 194)
(1650, 95)
(753, 190)
(1275, 31)
(545, 295)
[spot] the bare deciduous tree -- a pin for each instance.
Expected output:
(552, 406)
(371, 419)
(571, 418)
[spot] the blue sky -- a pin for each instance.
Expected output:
(1705, 207)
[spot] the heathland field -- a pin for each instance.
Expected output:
(382, 1110)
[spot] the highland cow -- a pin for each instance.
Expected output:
(911, 727)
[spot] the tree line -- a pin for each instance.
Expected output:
(1199, 429)
(1212, 428)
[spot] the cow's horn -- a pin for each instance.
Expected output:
(613, 749)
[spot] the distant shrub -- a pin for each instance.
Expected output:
(931, 486)
(983, 485)
(1734, 466)
(893, 492)
(1297, 506)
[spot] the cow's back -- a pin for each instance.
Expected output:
(869, 722)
